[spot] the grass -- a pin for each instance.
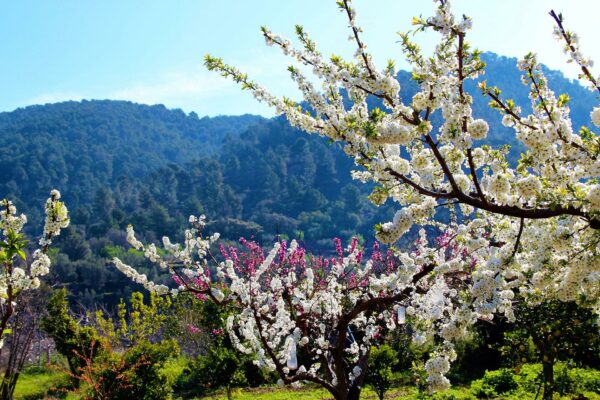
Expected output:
(312, 393)
(274, 394)
(35, 384)
(285, 393)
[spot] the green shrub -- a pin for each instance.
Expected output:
(75, 343)
(137, 374)
(528, 377)
(219, 368)
(147, 380)
(568, 380)
(571, 380)
(379, 374)
(173, 368)
(585, 380)
(494, 383)
(403, 378)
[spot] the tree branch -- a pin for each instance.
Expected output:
(563, 32)
(474, 175)
(518, 239)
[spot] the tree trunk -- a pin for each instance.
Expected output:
(5, 392)
(354, 393)
(548, 370)
(7, 389)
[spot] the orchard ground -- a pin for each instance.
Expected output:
(49, 383)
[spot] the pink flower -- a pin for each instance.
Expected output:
(193, 329)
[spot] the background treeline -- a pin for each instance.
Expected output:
(118, 163)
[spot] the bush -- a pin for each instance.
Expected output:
(571, 380)
(75, 343)
(527, 379)
(379, 374)
(403, 378)
(136, 374)
(219, 368)
(585, 380)
(147, 380)
(494, 383)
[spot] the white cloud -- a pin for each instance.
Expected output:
(174, 88)
(192, 88)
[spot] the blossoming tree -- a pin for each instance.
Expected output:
(315, 319)
(16, 277)
(541, 217)
(529, 230)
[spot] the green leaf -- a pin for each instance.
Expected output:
(376, 115)
(563, 100)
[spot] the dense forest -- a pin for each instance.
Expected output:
(119, 163)
(81, 146)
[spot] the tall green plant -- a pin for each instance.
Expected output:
(72, 341)
(379, 374)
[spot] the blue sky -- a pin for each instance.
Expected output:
(151, 52)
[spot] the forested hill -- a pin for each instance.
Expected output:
(118, 163)
(79, 146)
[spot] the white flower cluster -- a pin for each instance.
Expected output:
(9, 220)
(593, 197)
(41, 264)
(57, 218)
(436, 368)
(443, 20)
(393, 133)
(478, 129)
(405, 218)
(142, 279)
(529, 187)
(194, 247)
(392, 231)
(15, 278)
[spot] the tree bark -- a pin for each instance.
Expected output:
(548, 371)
